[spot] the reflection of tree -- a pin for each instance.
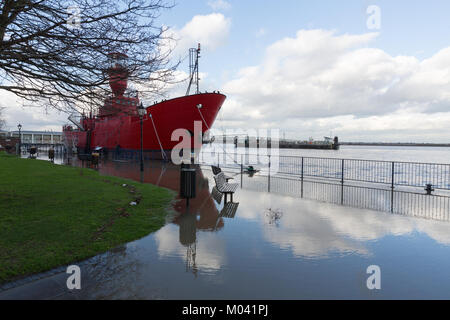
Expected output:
(273, 216)
(188, 238)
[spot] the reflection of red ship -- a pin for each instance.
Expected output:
(167, 175)
(117, 124)
(201, 214)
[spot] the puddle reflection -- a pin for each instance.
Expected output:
(267, 246)
(205, 213)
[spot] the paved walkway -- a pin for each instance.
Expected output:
(49, 288)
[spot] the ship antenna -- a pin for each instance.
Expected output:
(194, 55)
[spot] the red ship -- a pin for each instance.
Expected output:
(116, 126)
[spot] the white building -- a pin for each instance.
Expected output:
(45, 137)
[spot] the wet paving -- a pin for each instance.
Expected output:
(268, 246)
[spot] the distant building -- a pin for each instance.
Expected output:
(44, 137)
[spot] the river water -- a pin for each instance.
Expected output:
(270, 246)
(383, 153)
(412, 154)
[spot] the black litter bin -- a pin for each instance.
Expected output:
(187, 183)
(95, 157)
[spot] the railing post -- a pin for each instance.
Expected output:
(242, 168)
(392, 185)
(342, 183)
(269, 176)
(302, 179)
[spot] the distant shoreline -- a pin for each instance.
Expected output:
(394, 144)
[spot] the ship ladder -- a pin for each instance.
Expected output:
(159, 141)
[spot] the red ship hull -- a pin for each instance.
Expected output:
(122, 131)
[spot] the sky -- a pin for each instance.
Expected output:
(362, 70)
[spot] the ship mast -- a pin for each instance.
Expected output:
(194, 55)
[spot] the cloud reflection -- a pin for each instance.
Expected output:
(315, 229)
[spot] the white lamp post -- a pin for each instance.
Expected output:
(19, 126)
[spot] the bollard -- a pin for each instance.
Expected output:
(33, 151)
(429, 189)
(51, 154)
(242, 169)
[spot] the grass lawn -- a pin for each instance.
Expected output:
(52, 215)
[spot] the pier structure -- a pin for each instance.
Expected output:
(243, 140)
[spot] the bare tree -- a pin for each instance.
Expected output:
(55, 52)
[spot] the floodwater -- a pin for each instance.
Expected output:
(384, 153)
(272, 245)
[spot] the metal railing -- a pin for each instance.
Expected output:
(390, 173)
(435, 207)
(368, 184)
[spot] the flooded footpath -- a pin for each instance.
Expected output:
(267, 246)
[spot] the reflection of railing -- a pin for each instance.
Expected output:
(391, 173)
(435, 207)
(396, 187)
(119, 154)
(42, 147)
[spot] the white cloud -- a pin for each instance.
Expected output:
(211, 31)
(315, 229)
(218, 5)
(31, 118)
(319, 82)
(310, 85)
